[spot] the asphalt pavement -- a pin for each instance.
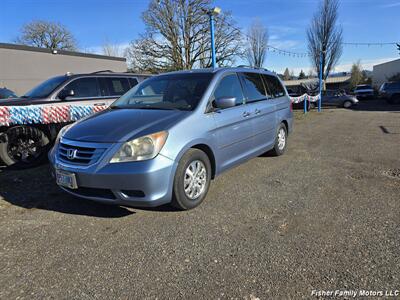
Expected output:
(325, 216)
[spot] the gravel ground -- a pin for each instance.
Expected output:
(326, 215)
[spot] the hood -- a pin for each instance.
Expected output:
(121, 125)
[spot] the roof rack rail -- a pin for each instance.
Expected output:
(102, 71)
(251, 67)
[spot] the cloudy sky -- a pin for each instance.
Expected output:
(95, 22)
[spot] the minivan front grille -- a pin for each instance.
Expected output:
(78, 154)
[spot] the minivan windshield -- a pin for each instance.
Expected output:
(170, 91)
(44, 89)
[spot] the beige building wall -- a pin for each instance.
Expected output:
(22, 68)
(382, 72)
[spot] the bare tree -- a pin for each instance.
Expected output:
(177, 37)
(112, 49)
(325, 35)
(257, 40)
(45, 34)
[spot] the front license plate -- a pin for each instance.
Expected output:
(66, 179)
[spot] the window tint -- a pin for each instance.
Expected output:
(254, 87)
(84, 87)
(133, 82)
(274, 86)
(117, 86)
(392, 85)
(229, 86)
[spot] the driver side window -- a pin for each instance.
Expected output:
(83, 87)
(229, 87)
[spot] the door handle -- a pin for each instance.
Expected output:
(246, 114)
(257, 111)
(99, 104)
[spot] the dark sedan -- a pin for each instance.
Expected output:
(338, 99)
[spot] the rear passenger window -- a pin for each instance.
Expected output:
(254, 87)
(117, 86)
(274, 85)
(229, 86)
(133, 82)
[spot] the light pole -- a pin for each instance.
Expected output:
(211, 13)
(320, 79)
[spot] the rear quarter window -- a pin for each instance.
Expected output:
(274, 85)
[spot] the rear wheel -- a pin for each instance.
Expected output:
(280, 141)
(192, 180)
(24, 147)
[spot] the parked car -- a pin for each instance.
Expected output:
(364, 91)
(390, 91)
(163, 141)
(6, 93)
(26, 145)
(338, 99)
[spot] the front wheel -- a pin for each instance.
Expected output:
(192, 180)
(347, 104)
(24, 147)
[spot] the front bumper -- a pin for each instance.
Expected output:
(143, 183)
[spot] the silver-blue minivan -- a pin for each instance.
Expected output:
(165, 139)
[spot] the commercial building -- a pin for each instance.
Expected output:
(23, 67)
(331, 83)
(382, 72)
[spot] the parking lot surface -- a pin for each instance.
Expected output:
(326, 215)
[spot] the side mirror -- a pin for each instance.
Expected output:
(64, 94)
(225, 102)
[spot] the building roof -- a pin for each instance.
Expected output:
(59, 52)
(339, 79)
(387, 63)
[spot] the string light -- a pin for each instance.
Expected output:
(307, 54)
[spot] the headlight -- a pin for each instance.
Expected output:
(143, 148)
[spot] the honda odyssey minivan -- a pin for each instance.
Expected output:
(168, 137)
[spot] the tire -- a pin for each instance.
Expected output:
(279, 149)
(183, 199)
(24, 147)
(347, 104)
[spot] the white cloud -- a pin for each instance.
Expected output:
(99, 49)
(367, 64)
